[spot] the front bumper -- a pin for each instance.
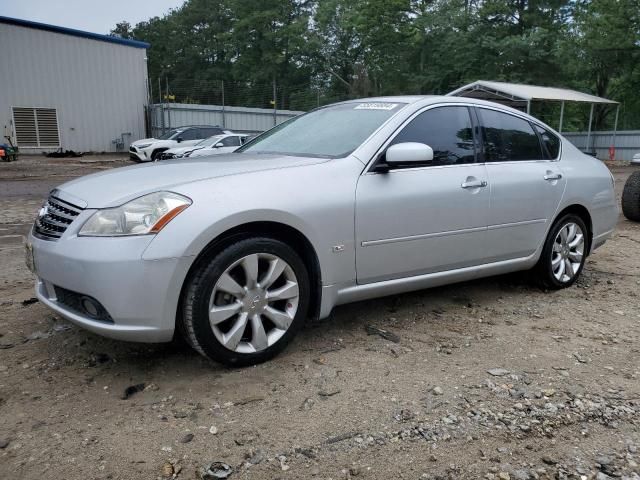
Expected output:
(140, 296)
(138, 155)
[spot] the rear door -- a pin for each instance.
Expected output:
(525, 180)
(425, 218)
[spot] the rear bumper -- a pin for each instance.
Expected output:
(140, 296)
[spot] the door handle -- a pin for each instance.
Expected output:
(553, 176)
(474, 184)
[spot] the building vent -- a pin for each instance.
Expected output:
(36, 127)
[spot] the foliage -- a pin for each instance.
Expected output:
(317, 51)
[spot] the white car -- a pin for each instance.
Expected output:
(225, 143)
(636, 159)
(149, 149)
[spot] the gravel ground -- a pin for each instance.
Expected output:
(489, 379)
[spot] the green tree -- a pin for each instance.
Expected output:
(318, 51)
(606, 53)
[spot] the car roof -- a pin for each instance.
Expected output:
(425, 100)
(184, 127)
(408, 99)
(395, 98)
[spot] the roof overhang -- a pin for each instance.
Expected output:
(517, 95)
(73, 32)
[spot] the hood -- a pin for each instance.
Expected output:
(119, 185)
(183, 149)
(144, 140)
(209, 151)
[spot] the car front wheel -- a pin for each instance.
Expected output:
(155, 155)
(244, 304)
(563, 254)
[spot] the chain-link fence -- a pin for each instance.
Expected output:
(273, 95)
(240, 106)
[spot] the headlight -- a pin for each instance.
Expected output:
(147, 214)
(144, 145)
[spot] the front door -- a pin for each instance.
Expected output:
(229, 144)
(428, 218)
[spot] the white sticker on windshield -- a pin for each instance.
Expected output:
(376, 106)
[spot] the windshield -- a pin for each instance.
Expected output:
(169, 134)
(211, 141)
(331, 132)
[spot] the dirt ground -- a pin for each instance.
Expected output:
(490, 379)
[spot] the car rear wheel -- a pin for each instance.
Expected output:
(564, 253)
(631, 197)
(243, 305)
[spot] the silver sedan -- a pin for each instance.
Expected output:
(348, 202)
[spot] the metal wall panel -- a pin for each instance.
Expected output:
(99, 89)
(627, 143)
(239, 119)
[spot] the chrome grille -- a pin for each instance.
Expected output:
(54, 218)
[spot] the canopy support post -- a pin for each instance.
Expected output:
(589, 131)
(561, 116)
(528, 107)
(615, 127)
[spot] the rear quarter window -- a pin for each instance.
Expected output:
(550, 143)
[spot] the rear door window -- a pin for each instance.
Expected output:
(447, 130)
(191, 134)
(508, 138)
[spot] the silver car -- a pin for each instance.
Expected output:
(348, 202)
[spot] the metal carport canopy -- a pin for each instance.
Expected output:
(516, 92)
(516, 95)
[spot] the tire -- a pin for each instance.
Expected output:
(235, 339)
(548, 272)
(156, 153)
(631, 197)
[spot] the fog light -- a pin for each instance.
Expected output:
(82, 304)
(90, 306)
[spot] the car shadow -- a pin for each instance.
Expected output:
(141, 361)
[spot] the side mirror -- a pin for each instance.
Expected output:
(179, 139)
(408, 154)
(218, 145)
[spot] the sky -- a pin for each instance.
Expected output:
(97, 16)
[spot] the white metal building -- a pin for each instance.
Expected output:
(69, 89)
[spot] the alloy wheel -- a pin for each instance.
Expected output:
(568, 252)
(253, 303)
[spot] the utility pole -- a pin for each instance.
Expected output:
(224, 124)
(161, 105)
(166, 79)
(275, 102)
(589, 131)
